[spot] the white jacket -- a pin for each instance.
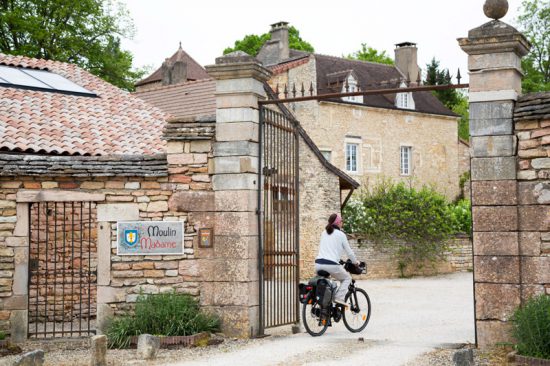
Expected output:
(332, 246)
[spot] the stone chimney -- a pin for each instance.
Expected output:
(277, 48)
(174, 71)
(406, 60)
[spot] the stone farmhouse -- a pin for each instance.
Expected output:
(403, 137)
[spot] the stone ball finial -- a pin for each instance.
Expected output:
(495, 9)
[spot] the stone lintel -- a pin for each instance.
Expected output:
(117, 212)
(494, 192)
(493, 146)
(497, 168)
(57, 196)
(192, 201)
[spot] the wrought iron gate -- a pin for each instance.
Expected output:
(62, 269)
(279, 219)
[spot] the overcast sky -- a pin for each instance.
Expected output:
(336, 28)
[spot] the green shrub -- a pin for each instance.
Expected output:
(531, 327)
(2, 335)
(460, 215)
(168, 314)
(415, 222)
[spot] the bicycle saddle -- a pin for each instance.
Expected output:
(323, 273)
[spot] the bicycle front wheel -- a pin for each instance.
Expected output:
(315, 321)
(357, 314)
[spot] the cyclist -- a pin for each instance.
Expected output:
(331, 247)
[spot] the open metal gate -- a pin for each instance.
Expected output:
(279, 219)
(62, 269)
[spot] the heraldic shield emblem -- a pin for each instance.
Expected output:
(130, 237)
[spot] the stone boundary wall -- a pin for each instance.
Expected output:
(382, 264)
(532, 128)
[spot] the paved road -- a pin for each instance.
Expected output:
(410, 317)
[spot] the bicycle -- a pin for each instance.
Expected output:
(318, 312)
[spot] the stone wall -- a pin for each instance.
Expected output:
(532, 122)
(119, 189)
(319, 198)
(381, 262)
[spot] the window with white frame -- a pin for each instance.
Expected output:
(352, 88)
(406, 160)
(352, 157)
(327, 154)
(404, 100)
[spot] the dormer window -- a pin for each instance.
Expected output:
(345, 81)
(404, 100)
(352, 87)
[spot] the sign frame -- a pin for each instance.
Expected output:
(207, 232)
(181, 222)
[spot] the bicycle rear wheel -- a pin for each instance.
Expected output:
(314, 319)
(357, 315)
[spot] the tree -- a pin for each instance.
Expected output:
(84, 32)
(252, 43)
(367, 53)
(451, 98)
(535, 24)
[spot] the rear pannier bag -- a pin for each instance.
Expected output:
(324, 292)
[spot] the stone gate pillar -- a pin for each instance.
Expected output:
(232, 273)
(494, 61)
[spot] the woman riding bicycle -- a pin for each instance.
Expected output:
(333, 243)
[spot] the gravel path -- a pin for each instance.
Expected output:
(411, 319)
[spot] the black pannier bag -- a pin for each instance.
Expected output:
(303, 291)
(324, 292)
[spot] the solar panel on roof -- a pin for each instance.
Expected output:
(13, 76)
(39, 79)
(56, 81)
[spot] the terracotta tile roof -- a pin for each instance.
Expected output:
(183, 101)
(194, 70)
(47, 122)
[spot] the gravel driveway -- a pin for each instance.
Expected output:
(409, 317)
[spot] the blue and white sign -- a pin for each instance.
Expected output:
(150, 238)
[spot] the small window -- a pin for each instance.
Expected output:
(351, 157)
(406, 159)
(327, 154)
